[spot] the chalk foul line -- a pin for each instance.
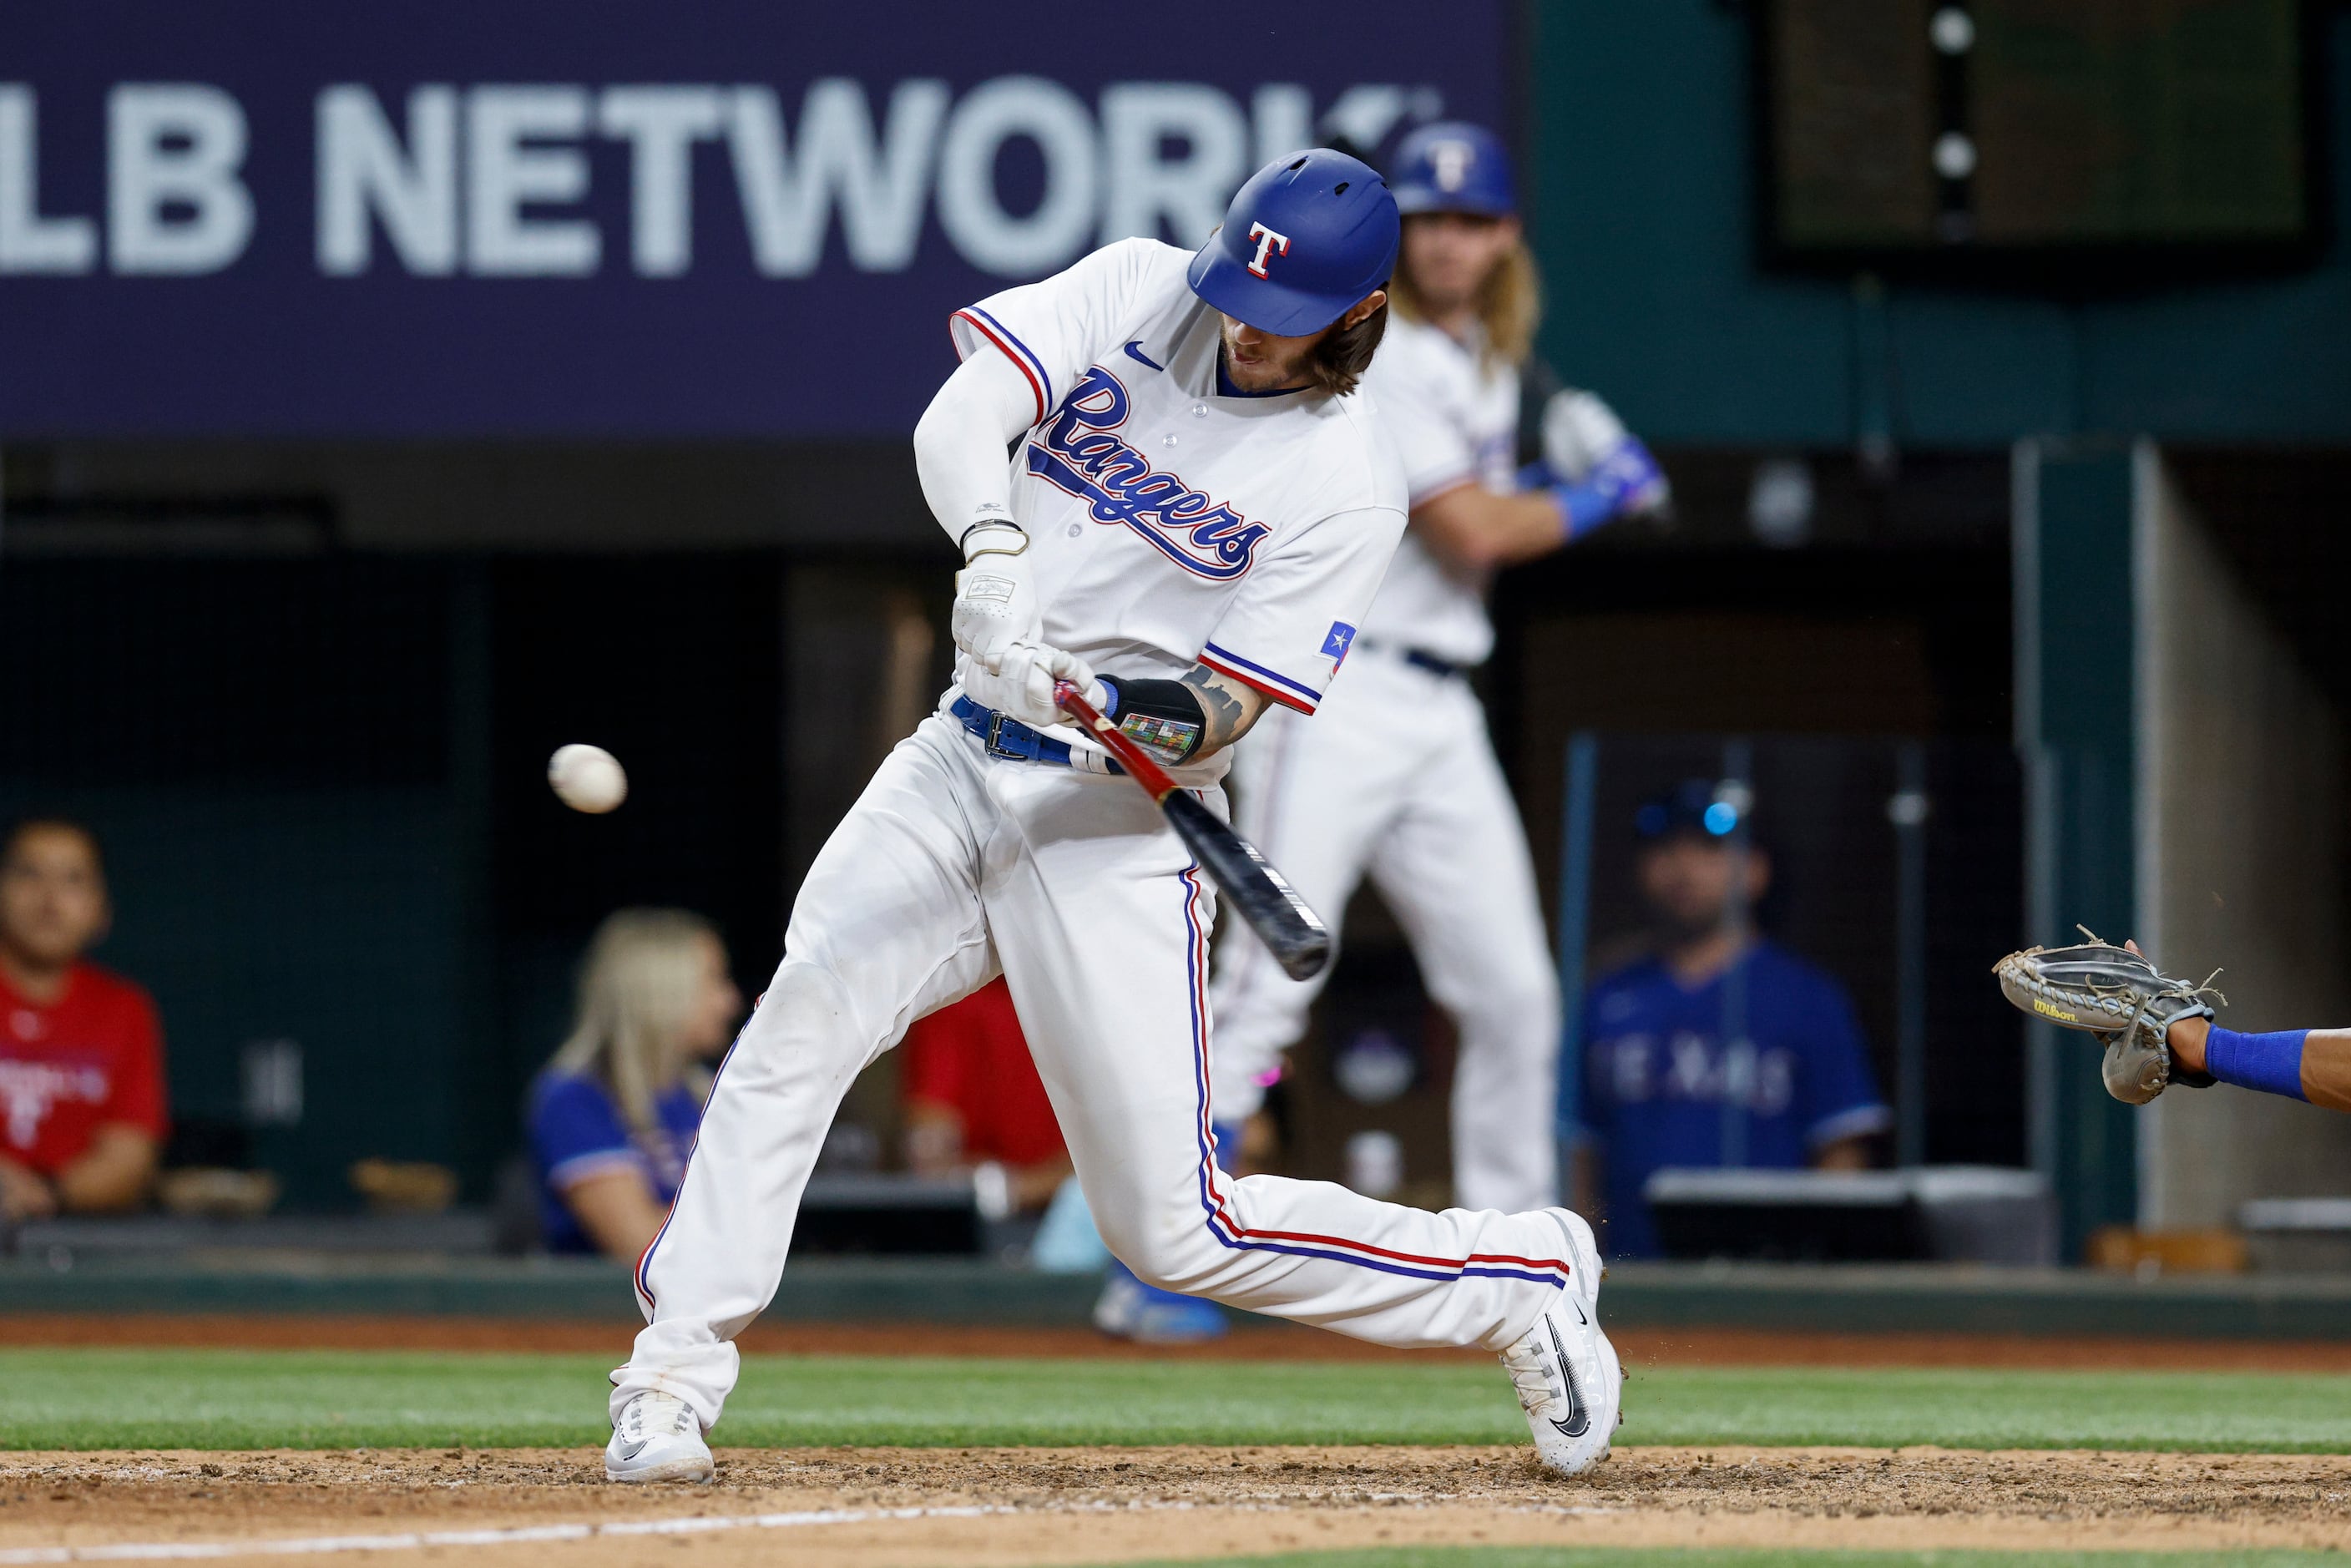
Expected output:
(518, 1535)
(409, 1541)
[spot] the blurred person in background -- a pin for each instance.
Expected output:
(972, 1097)
(1396, 778)
(1720, 1048)
(612, 1117)
(81, 1054)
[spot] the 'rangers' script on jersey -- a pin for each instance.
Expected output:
(1078, 453)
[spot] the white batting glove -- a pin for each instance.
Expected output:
(1585, 445)
(996, 597)
(1578, 431)
(1022, 688)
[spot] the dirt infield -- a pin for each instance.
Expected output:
(844, 1508)
(870, 1508)
(1639, 1346)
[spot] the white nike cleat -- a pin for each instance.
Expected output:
(657, 1438)
(1569, 1379)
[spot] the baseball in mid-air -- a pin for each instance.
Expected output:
(586, 778)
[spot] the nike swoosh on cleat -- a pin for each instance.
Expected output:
(1578, 1419)
(631, 1450)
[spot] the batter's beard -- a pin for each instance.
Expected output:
(1289, 374)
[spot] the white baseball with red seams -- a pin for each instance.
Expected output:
(1169, 523)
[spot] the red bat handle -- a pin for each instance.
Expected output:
(1137, 762)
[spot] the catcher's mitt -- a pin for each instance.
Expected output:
(2118, 995)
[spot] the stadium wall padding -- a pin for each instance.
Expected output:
(2076, 736)
(2241, 816)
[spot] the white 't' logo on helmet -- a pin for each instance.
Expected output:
(1268, 245)
(1452, 160)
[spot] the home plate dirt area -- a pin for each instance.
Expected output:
(867, 1508)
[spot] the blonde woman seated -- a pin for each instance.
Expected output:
(612, 1117)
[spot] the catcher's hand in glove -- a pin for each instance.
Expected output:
(2118, 995)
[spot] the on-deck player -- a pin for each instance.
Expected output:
(1199, 508)
(1396, 776)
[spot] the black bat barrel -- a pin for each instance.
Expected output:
(1299, 942)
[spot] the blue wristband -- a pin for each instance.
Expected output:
(1628, 471)
(2269, 1063)
(1583, 508)
(1110, 695)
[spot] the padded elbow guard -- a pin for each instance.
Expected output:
(1163, 717)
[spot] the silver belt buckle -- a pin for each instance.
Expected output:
(997, 720)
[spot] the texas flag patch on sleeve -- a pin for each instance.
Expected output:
(1335, 646)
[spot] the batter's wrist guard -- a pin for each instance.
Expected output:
(1163, 717)
(993, 536)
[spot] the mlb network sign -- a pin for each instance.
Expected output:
(689, 220)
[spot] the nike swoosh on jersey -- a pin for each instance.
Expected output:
(1578, 1419)
(1135, 351)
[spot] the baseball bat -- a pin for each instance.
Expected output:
(1299, 942)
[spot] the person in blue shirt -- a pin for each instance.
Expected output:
(613, 1117)
(1720, 1048)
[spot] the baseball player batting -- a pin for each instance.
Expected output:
(1396, 776)
(1197, 511)
(2159, 1032)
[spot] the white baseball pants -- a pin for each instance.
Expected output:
(951, 864)
(1396, 777)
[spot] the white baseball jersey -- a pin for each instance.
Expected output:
(1454, 420)
(1172, 522)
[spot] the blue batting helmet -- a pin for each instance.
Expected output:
(1306, 237)
(1454, 167)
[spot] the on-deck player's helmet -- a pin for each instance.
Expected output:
(1454, 167)
(1306, 237)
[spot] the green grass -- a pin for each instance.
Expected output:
(1674, 1557)
(226, 1399)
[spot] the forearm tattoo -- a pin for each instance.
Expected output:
(1227, 717)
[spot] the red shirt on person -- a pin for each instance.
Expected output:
(93, 1056)
(973, 1059)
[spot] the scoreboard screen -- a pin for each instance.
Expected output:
(1906, 129)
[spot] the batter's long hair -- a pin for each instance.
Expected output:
(1510, 304)
(1339, 361)
(639, 983)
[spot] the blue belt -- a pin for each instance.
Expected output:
(1416, 658)
(1008, 737)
